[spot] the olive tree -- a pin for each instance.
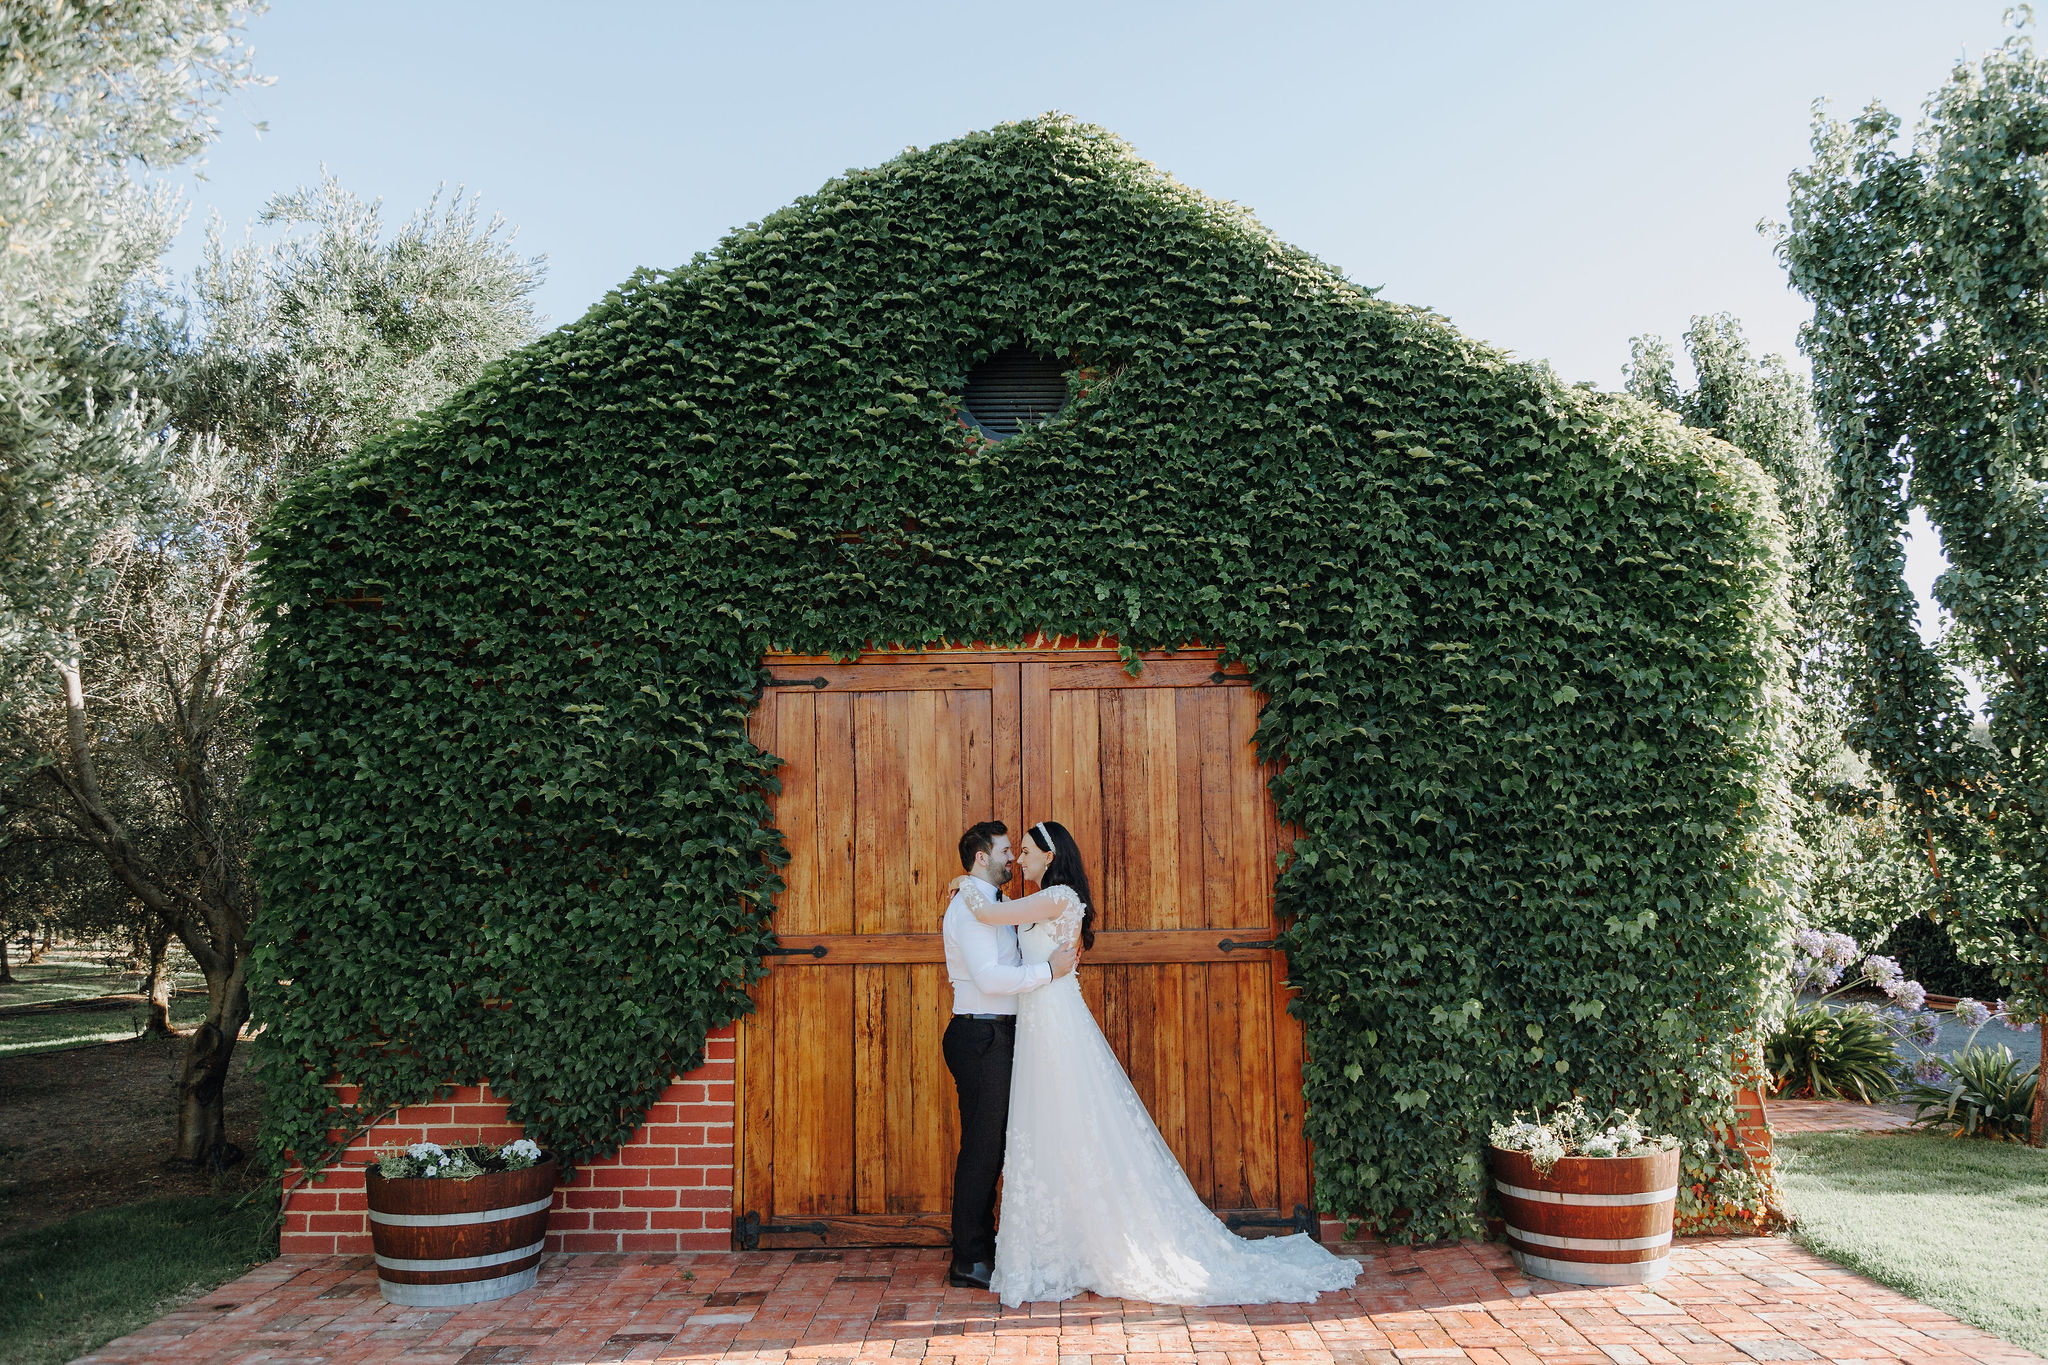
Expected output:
(135, 740)
(89, 93)
(1927, 267)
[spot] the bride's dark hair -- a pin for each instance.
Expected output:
(1066, 870)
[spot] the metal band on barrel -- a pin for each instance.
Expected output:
(463, 1291)
(1544, 1239)
(460, 1262)
(449, 1220)
(1593, 1272)
(1587, 1200)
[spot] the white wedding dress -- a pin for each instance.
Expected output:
(1092, 1195)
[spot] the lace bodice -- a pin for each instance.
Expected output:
(1038, 942)
(1060, 929)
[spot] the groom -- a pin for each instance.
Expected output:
(988, 974)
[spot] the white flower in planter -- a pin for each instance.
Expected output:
(1571, 1132)
(427, 1159)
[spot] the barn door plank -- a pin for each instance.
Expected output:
(832, 782)
(873, 1061)
(756, 1139)
(1198, 1154)
(1228, 1134)
(934, 1105)
(848, 1116)
(1251, 814)
(1255, 1089)
(896, 1088)
(1220, 830)
(1006, 796)
(1290, 1139)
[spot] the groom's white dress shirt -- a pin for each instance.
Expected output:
(983, 962)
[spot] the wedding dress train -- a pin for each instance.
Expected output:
(1093, 1198)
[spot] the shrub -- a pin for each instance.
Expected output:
(1926, 953)
(1824, 1052)
(1979, 1092)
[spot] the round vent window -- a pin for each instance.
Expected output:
(1014, 390)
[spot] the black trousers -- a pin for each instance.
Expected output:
(978, 1054)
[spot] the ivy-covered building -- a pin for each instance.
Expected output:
(1416, 710)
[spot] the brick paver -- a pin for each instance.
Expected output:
(1732, 1299)
(1836, 1116)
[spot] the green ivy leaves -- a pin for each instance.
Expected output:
(525, 835)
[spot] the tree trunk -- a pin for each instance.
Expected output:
(156, 983)
(35, 949)
(202, 1088)
(2039, 1136)
(6, 971)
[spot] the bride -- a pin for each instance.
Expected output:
(1092, 1195)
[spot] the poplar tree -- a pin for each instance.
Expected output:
(1927, 267)
(1862, 873)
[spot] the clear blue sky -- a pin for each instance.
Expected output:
(1555, 178)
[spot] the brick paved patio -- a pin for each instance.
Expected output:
(1836, 1116)
(1730, 1299)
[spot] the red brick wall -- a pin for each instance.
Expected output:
(669, 1189)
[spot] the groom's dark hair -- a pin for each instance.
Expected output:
(979, 839)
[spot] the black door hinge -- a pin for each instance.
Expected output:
(1302, 1221)
(1231, 945)
(749, 1228)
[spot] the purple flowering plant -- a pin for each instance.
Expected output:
(1833, 1044)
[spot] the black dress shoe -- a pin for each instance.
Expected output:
(974, 1276)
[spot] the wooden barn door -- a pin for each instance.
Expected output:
(848, 1124)
(1158, 780)
(848, 1119)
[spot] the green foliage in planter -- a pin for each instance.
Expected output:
(1987, 1092)
(1827, 1052)
(1520, 640)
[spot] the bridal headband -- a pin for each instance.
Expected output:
(1042, 832)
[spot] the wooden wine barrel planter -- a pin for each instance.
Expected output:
(1589, 1220)
(444, 1242)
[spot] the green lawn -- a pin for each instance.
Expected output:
(100, 1275)
(81, 974)
(69, 1028)
(1961, 1224)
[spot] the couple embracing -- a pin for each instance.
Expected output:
(1093, 1198)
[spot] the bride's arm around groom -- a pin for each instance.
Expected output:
(1031, 909)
